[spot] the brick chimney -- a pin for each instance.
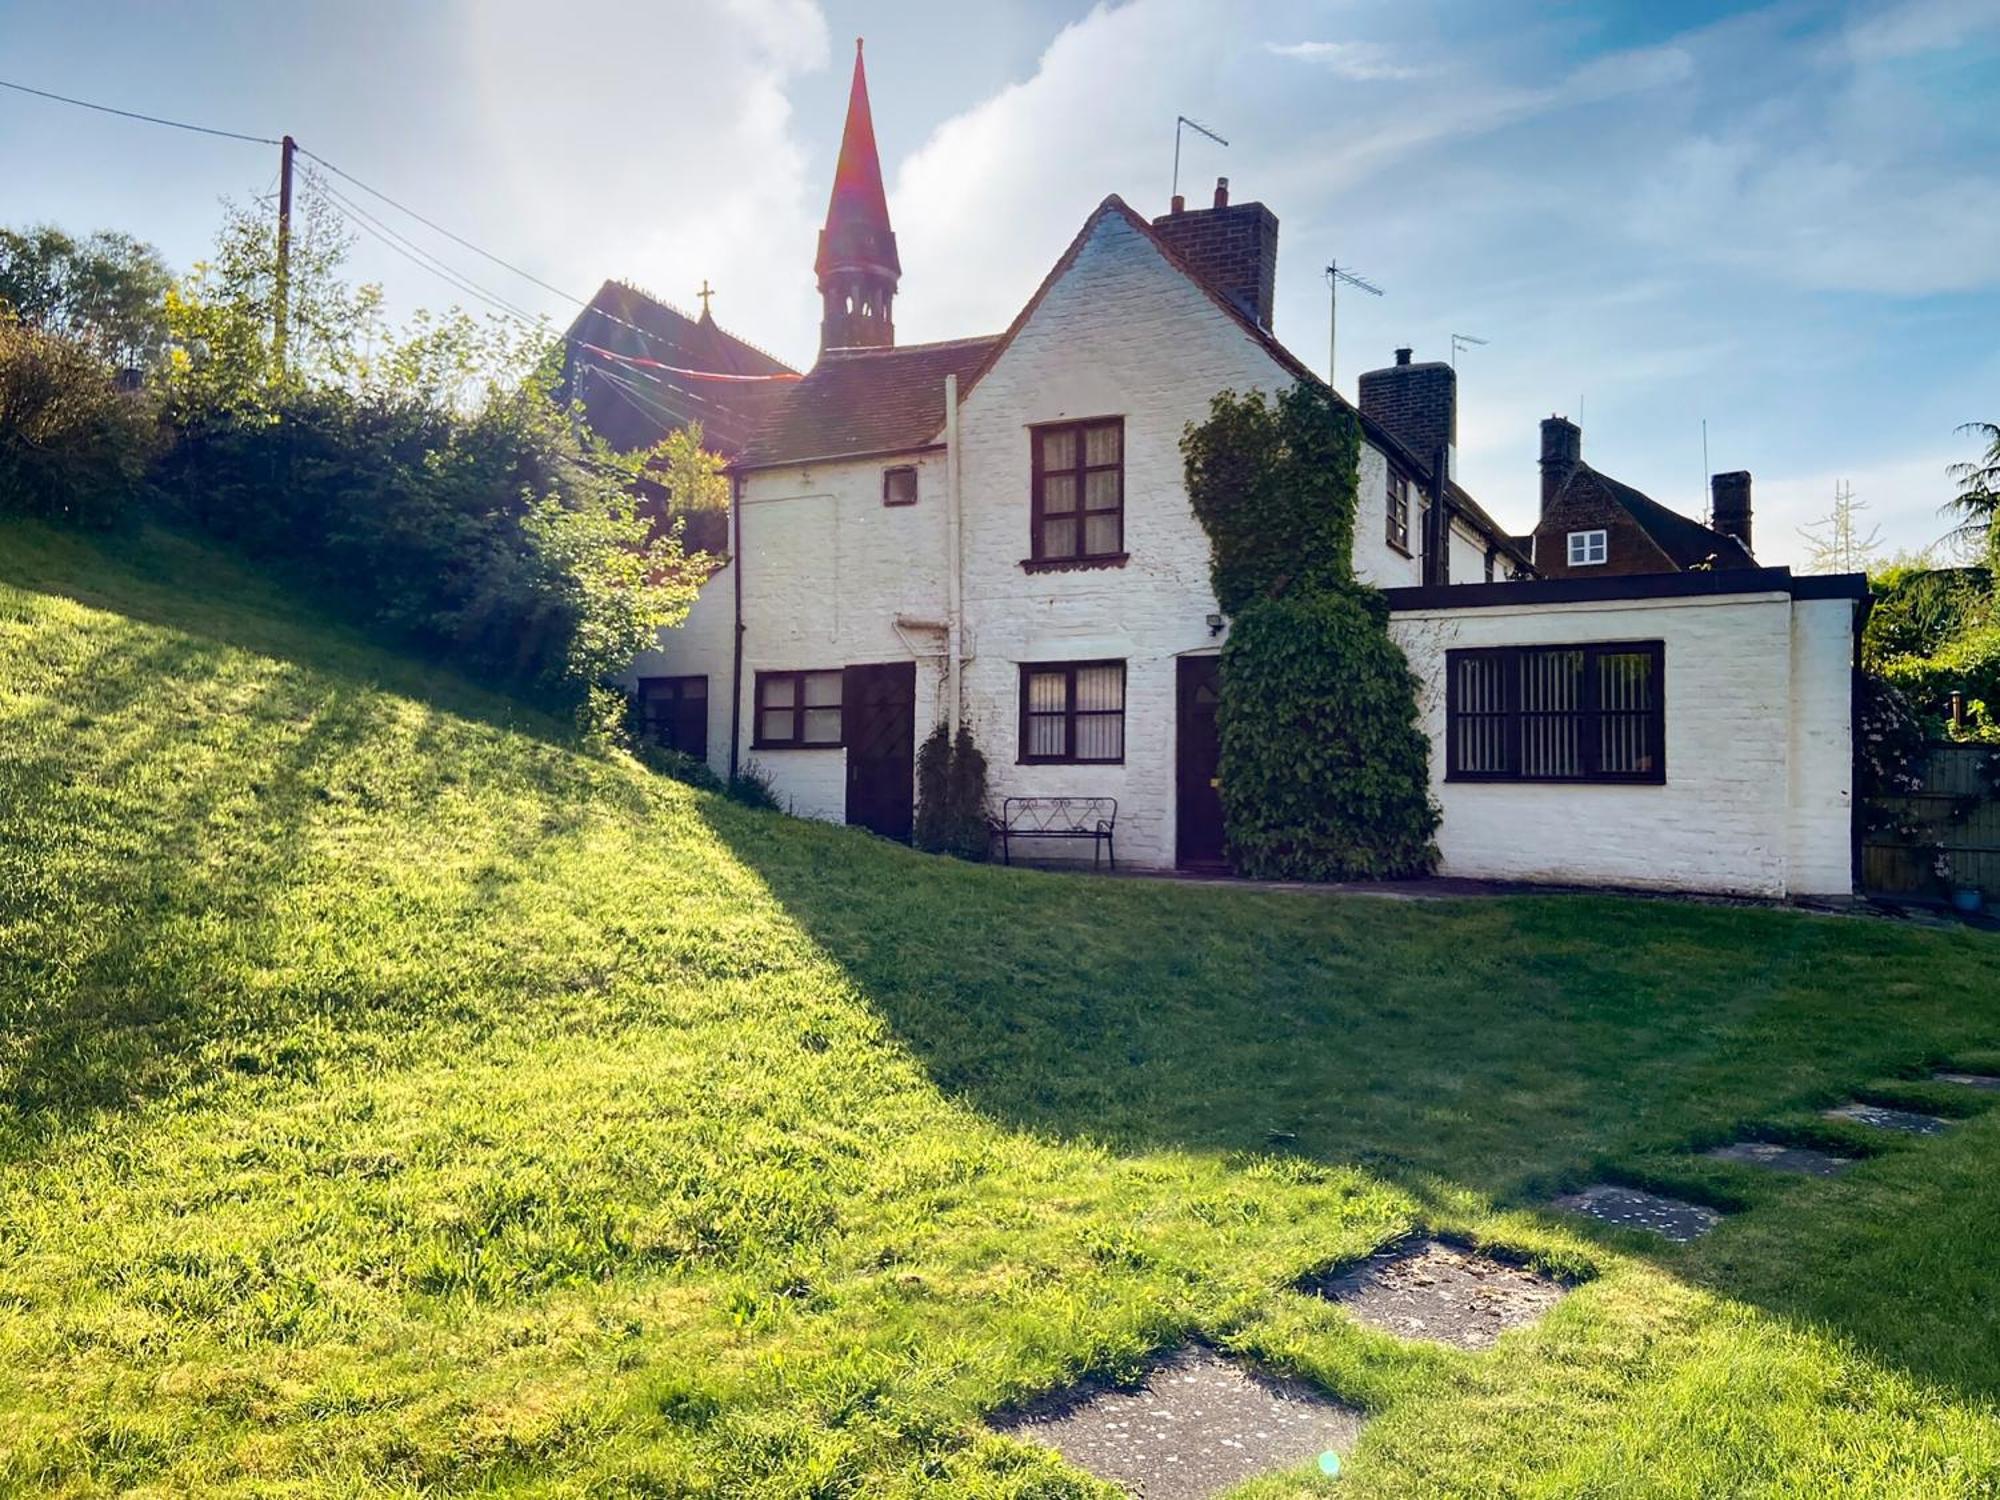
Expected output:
(1562, 451)
(1729, 505)
(1232, 246)
(1418, 404)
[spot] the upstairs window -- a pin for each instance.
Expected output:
(1072, 712)
(899, 485)
(798, 710)
(1587, 548)
(1556, 713)
(1079, 491)
(1399, 512)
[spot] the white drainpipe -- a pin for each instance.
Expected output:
(954, 625)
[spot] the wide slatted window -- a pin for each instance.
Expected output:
(1079, 482)
(1556, 713)
(798, 710)
(1073, 711)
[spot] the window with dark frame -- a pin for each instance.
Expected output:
(673, 711)
(1079, 491)
(1584, 713)
(1072, 712)
(899, 485)
(1399, 512)
(798, 711)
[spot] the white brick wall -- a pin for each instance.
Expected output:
(1756, 796)
(699, 646)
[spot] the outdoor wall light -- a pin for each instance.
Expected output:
(1215, 624)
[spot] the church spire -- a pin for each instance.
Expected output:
(857, 264)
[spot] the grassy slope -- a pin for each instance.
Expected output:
(395, 1099)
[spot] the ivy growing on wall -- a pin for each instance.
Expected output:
(1325, 769)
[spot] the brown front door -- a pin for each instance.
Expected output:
(1198, 814)
(878, 724)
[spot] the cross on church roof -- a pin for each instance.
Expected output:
(705, 293)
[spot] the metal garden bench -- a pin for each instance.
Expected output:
(1092, 818)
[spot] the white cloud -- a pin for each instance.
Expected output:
(666, 154)
(1362, 62)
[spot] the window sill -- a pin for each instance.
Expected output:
(1074, 564)
(1499, 778)
(794, 745)
(1063, 760)
(1397, 547)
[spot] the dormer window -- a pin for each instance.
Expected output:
(899, 485)
(1587, 549)
(1079, 491)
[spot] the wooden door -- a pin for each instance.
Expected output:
(878, 724)
(1198, 799)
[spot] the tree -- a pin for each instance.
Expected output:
(220, 316)
(1834, 543)
(105, 293)
(1978, 499)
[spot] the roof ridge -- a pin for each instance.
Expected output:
(849, 351)
(680, 312)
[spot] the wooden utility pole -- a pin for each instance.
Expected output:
(282, 287)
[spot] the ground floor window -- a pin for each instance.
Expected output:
(1072, 711)
(1593, 712)
(673, 711)
(798, 710)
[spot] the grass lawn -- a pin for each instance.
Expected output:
(397, 1099)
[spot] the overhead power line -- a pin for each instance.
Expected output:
(401, 244)
(133, 114)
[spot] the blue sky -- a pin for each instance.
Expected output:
(1784, 218)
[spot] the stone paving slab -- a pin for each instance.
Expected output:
(1988, 1081)
(1783, 1158)
(1431, 1290)
(1198, 1424)
(1633, 1208)
(1908, 1121)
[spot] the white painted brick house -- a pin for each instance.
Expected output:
(1683, 731)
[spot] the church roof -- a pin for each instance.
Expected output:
(635, 407)
(857, 214)
(1686, 542)
(858, 402)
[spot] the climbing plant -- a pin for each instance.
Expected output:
(1324, 767)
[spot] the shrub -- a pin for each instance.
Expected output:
(1917, 610)
(951, 795)
(494, 538)
(1324, 768)
(752, 786)
(73, 446)
(1968, 664)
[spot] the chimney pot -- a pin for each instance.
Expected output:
(1222, 192)
(1403, 356)
(1179, 205)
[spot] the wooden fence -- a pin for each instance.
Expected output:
(1958, 811)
